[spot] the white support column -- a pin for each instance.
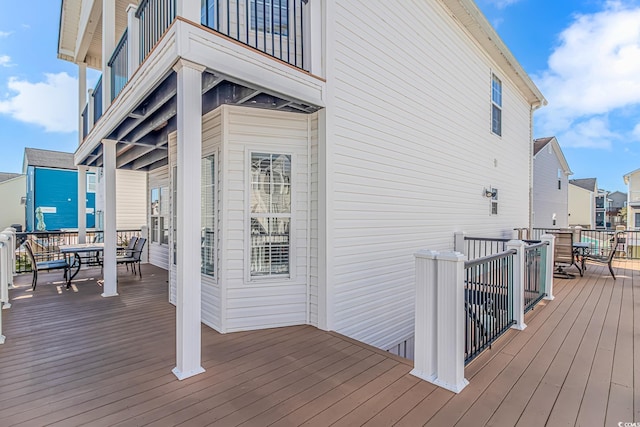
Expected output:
(425, 356)
(518, 283)
(549, 265)
(82, 204)
(313, 37)
(133, 40)
(110, 271)
(108, 46)
(189, 9)
(82, 97)
(458, 242)
(14, 240)
(189, 147)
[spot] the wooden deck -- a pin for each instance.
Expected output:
(75, 358)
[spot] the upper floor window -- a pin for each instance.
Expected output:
(560, 174)
(270, 214)
(496, 105)
(270, 16)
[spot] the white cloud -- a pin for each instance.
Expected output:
(594, 70)
(5, 33)
(52, 104)
(636, 132)
(5, 61)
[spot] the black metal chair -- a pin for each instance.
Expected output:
(128, 251)
(58, 264)
(133, 256)
(608, 259)
(564, 255)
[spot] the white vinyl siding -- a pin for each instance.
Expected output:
(131, 196)
(276, 301)
(411, 156)
(211, 289)
(158, 253)
(547, 198)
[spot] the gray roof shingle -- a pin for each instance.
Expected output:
(586, 183)
(6, 176)
(48, 158)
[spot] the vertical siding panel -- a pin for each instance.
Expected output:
(131, 196)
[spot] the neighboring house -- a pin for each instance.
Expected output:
(299, 154)
(550, 185)
(603, 204)
(52, 188)
(12, 193)
(632, 180)
(618, 200)
(582, 202)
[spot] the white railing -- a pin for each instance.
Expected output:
(444, 296)
(7, 270)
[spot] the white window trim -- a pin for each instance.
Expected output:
(291, 277)
(495, 76)
(167, 218)
(216, 261)
(92, 186)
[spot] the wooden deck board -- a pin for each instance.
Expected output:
(75, 358)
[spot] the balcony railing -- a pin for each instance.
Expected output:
(85, 121)
(155, 17)
(119, 66)
(275, 27)
(488, 288)
(97, 101)
(535, 262)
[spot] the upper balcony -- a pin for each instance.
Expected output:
(276, 29)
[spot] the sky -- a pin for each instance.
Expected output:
(584, 55)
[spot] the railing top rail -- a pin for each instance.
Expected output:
(116, 51)
(486, 259)
(486, 239)
(141, 7)
(536, 245)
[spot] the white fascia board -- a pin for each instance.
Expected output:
(560, 155)
(90, 15)
(145, 79)
(244, 64)
(467, 13)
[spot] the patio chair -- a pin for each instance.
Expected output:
(134, 259)
(607, 259)
(564, 256)
(58, 264)
(127, 252)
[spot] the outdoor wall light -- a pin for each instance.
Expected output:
(490, 192)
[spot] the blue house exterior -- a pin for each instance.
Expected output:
(52, 186)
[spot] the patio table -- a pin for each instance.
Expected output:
(78, 249)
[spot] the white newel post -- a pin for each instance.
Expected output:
(14, 240)
(2, 301)
(189, 147)
(110, 271)
(550, 263)
(82, 204)
(451, 321)
(426, 321)
(6, 275)
(440, 319)
(458, 242)
(108, 46)
(518, 283)
(144, 232)
(189, 9)
(133, 40)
